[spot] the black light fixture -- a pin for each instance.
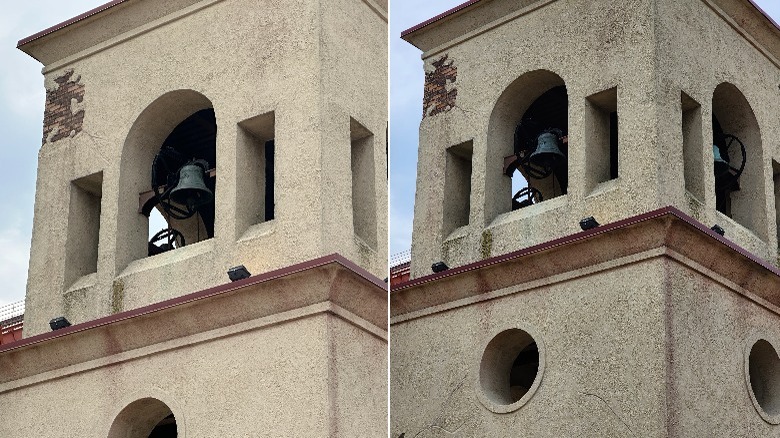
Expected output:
(238, 273)
(588, 223)
(439, 267)
(59, 323)
(718, 229)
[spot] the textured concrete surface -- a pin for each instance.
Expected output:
(145, 66)
(646, 331)
(671, 64)
(298, 354)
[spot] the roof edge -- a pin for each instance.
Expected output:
(572, 238)
(67, 23)
(444, 14)
(200, 295)
(468, 3)
(761, 10)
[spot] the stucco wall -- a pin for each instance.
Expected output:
(244, 61)
(712, 328)
(651, 52)
(358, 379)
(604, 367)
(267, 382)
(698, 49)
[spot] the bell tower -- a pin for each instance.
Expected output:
(574, 159)
(591, 118)
(208, 248)
(196, 153)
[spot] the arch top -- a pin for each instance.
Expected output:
(515, 99)
(165, 112)
(144, 416)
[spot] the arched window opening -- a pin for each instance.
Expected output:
(145, 418)
(166, 428)
(183, 181)
(528, 134)
(737, 159)
(539, 165)
(725, 149)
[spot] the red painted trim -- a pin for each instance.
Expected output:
(582, 236)
(73, 20)
(439, 17)
(196, 296)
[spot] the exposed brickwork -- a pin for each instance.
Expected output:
(63, 117)
(440, 92)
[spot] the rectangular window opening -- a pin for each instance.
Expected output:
(363, 183)
(269, 180)
(457, 186)
(693, 146)
(776, 182)
(81, 247)
(602, 138)
(256, 171)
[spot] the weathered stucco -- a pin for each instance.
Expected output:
(644, 329)
(295, 353)
(308, 67)
(299, 348)
(665, 66)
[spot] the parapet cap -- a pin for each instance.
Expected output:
(744, 15)
(666, 232)
(100, 25)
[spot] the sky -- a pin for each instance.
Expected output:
(22, 98)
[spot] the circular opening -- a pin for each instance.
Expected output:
(510, 369)
(764, 376)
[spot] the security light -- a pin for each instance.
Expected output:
(238, 273)
(439, 267)
(588, 223)
(59, 323)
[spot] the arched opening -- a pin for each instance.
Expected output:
(737, 158)
(528, 133)
(145, 418)
(174, 141)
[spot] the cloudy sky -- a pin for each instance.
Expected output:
(21, 112)
(22, 97)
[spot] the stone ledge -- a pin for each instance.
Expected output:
(660, 232)
(331, 279)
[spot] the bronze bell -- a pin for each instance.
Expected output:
(721, 165)
(547, 152)
(191, 189)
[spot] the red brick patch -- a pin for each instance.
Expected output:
(437, 99)
(59, 120)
